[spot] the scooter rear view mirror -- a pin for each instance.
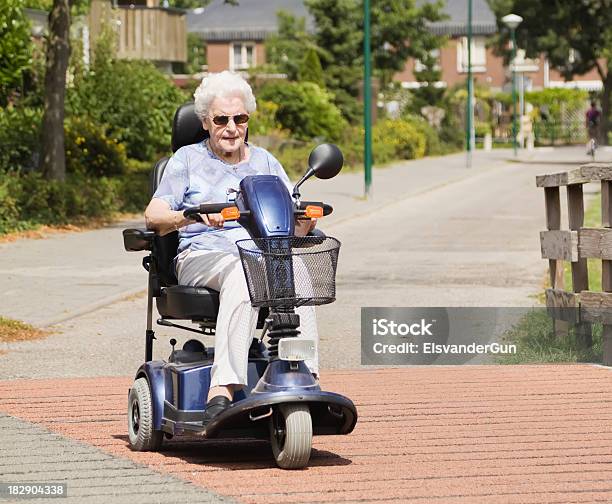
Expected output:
(326, 161)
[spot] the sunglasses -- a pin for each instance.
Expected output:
(223, 120)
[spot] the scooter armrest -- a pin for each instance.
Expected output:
(135, 240)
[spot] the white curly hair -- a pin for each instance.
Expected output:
(223, 84)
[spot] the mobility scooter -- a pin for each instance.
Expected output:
(282, 401)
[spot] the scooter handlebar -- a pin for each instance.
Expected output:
(213, 208)
(300, 211)
(206, 208)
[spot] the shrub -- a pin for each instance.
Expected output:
(396, 139)
(55, 202)
(433, 146)
(28, 199)
(136, 101)
(305, 109)
(15, 46)
(294, 158)
(19, 138)
(481, 129)
(263, 120)
(90, 152)
(10, 191)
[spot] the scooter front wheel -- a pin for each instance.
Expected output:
(291, 435)
(142, 435)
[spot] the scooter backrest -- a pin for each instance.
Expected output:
(186, 128)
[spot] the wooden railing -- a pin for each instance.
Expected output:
(150, 33)
(581, 307)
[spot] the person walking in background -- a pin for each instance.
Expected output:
(592, 118)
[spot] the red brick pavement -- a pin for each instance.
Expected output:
(482, 434)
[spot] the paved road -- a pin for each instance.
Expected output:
(450, 435)
(434, 234)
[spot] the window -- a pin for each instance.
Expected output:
(242, 55)
(479, 55)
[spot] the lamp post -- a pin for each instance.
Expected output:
(367, 99)
(469, 125)
(512, 21)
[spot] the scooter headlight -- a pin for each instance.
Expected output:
(296, 349)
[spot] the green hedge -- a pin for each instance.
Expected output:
(29, 199)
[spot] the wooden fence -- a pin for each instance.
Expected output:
(581, 307)
(149, 33)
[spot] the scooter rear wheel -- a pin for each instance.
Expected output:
(291, 435)
(142, 435)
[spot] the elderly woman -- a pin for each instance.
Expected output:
(203, 173)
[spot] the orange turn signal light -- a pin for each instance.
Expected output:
(314, 212)
(230, 213)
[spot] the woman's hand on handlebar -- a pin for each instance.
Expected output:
(213, 220)
(304, 226)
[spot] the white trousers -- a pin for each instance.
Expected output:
(237, 319)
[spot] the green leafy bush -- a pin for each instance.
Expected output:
(90, 152)
(134, 99)
(263, 120)
(433, 145)
(305, 109)
(10, 191)
(28, 199)
(294, 158)
(481, 129)
(397, 139)
(19, 137)
(54, 202)
(15, 46)
(294, 155)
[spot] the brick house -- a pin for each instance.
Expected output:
(235, 35)
(487, 68)
(235, 38)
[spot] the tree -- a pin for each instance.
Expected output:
(285, 49)
(53, 158)
(398, 33)
(15, 47)
(310, 69)
(575, 37)
(339, 37)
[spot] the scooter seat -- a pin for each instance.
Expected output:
(188, 303)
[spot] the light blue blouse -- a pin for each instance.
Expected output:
(194, 175)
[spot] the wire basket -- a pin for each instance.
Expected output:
(290, 271)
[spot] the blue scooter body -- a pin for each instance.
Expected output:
(179, 389)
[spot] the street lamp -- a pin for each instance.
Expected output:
(367, 99)
(512, 21)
